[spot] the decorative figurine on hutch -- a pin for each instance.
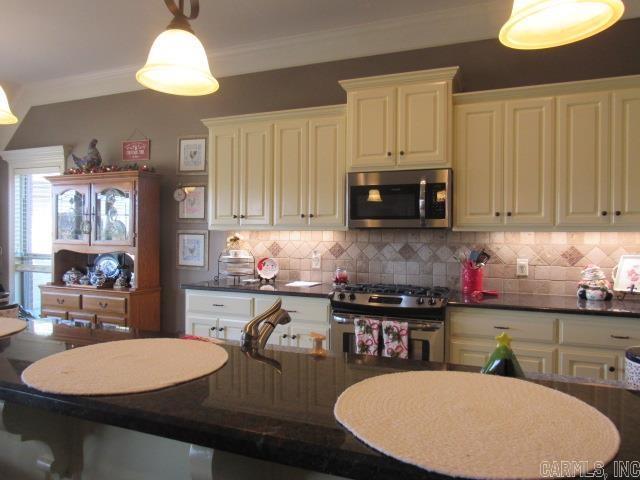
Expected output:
(98, 278)
(91, 160)
(594, 285)
(121, 282)
(503, 361)
(72, 277)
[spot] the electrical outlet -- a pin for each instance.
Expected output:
(315, 260)
(522, 267)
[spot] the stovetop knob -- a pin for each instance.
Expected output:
(420, 300)
(432, 301)
(341, 295)
(352, 296)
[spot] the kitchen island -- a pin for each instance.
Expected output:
(273, 419)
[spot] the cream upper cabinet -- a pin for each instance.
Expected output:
(285, 169)
(291, 172)
(583, 159)
(626, 157)
(224, 177)
(478, 167)
(529, 161)
(241, 160)
(327, 172)
(399, 121)
(256, 163)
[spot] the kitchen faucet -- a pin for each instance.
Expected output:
(258, 330)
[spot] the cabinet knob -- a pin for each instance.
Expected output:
(497, 214)
(604, 213)
(284, 335)
(103, 305)
(401, 152)
(302, 215)
(213, 329)
(242, 216)
(508, 214)
(621, 337)
(388, 154)
(618, 213)
(235, 216)
(612, 369)
(293, 337)
(501, 328)
(60, 301)
(311, 215)
(221, 329)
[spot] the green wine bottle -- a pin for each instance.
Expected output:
(503, 361)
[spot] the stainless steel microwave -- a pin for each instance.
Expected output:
(400, 199)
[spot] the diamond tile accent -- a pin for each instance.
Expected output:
(275, 249)
(572, 255)
(337, 250)
(444, 253)
(407, 252)
(370, 251)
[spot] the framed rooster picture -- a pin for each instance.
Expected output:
(192, 155)
(626, 276)
(193, 249)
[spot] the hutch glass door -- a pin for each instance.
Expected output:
(72, 219)
(113, 214)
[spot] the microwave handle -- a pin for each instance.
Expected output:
(422, 203)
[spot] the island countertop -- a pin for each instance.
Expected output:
(248, 408)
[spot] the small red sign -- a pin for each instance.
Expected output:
(136, 150)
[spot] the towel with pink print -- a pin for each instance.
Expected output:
(396, 339)
(367, 335)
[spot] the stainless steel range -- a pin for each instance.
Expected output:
(423, 308)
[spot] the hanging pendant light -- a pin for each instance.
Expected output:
(536, 24)
(374, 195)
(177, 62)
(6, 116)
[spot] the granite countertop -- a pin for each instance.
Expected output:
(249, 409)
(549, 303)
(279, 288)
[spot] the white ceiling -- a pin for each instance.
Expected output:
(45, 39)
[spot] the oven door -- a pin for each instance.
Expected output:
(426, 337)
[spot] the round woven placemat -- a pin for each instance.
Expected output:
(125, 366)
(476, 426)
(9, 326)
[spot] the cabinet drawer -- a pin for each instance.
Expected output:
(310, 310)
(111, 319)
(213, 305)
(54, 313)
(522, 326)
(104, 304)
(61, 300)
(607, 332)
(82, 316)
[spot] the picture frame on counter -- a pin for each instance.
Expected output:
(192, 155)
(192, 249)
(193, 208)
(626, 275)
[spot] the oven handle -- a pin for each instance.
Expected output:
(422, 203)
(414, 325)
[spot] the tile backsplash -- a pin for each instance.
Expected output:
(426, 257)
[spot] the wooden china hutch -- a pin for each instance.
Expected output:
(113, 213)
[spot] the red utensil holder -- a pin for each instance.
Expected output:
(471, 279)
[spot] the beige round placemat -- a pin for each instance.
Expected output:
(9, 326)
(475, 426)
(126, 366)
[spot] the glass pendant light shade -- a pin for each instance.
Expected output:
(374, 195)
(6, 116)
(177, 64)
(536, 24)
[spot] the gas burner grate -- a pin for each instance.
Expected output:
(390, 289)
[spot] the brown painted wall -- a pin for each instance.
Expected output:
(484, 65)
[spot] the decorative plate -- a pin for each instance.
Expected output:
(626, 276)
(267, 268)
(109, 264)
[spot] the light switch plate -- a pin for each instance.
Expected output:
(522, 267)
(315, 260)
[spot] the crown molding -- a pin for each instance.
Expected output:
(446, 74)
(324, 111)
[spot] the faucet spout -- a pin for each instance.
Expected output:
(257, 331)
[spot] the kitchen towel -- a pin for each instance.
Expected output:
(396, 339)
(367, 335)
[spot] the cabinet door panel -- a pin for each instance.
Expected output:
(327, 172)
(479, 161)
(601, 365)
(422, 125)
(113, 213)
(224, 169)
(201, 327)
(528, 162)
(71, 214)
(626, 157)
(301, 335)
(291, 173)
(372, 128)
(230, 329)
(583, 159)
(470, 353)
(256, 156)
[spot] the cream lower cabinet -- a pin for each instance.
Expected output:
(399, 121)
(284, 169)
(576, 345)
(503, 163)
(223, 315)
